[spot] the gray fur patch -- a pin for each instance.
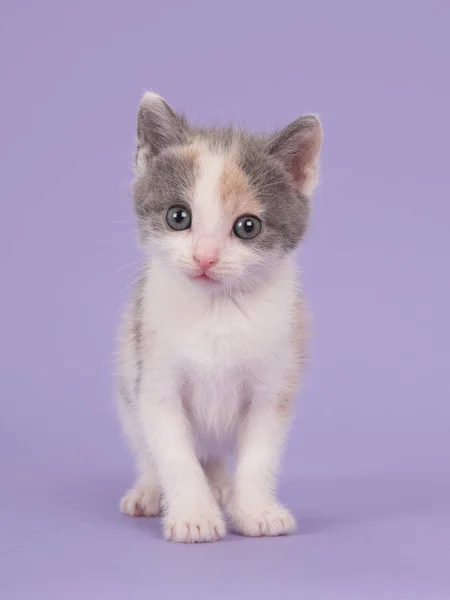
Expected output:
(137, 330)
(286, 211)
(166, 182)
(170, 175)
(159, 127)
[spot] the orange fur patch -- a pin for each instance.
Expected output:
(193, 151)
(300, 335)
(235, 191)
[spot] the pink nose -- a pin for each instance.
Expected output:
(206, 252)
(205, 261)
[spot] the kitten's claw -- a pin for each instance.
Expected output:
(270, 520)
(141, 502)
(193, 528)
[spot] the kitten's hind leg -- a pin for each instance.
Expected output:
(218, 478)
(144, 498)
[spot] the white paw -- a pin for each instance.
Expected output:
(271, 519)
(141, 502)
(194, 526)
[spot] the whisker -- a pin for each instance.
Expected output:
(135, 277)
(103, 279)
(120, 222)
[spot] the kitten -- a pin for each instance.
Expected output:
(213, 342)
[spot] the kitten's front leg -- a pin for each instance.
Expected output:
(254, 509)
(191, 512)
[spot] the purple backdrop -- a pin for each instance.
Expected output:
(368, 463)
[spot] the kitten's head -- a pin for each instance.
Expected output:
(222, 207)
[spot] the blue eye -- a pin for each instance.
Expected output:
(247, 227)
(178, 218)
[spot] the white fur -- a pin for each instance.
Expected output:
(207, 217)
(215, 363)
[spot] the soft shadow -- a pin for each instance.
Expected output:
(319, 504)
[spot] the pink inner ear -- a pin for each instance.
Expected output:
(298, 147)
(302, 164)
(298, 167)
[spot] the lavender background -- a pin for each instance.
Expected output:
(367, 470)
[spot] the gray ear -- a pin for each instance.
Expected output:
(158, 127)
(298, 146)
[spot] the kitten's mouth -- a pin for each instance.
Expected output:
(204, 278)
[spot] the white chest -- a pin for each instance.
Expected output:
(221, 346)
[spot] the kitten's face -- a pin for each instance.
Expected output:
(220, 208)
